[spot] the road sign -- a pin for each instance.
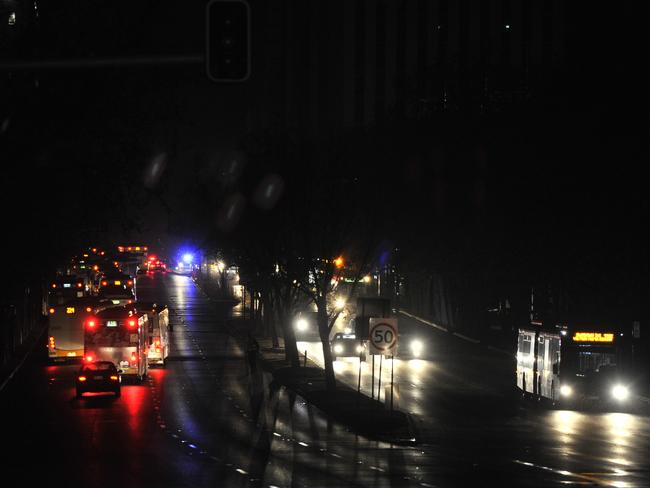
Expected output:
(383, 336)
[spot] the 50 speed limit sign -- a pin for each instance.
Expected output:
(383, 336)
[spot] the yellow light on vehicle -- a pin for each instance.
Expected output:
(51, 310)
(593, 337)
(118, 282)
(137, 248)
(114, 378)
(71, 354)
(69, 310)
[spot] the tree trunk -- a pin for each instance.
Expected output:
(324, 333)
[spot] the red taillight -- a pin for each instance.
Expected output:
(89, 309)
(82, 378)
(114, 378)
(89, 358)
(157, 342)
(91, 324)
(132, 323)
(79, 285)
(130, 282)
(104, 283)
(51, 310)
(53, 285)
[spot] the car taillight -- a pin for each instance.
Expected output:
(157, 348)
(79, 285)
(130, 282)
(53, 285)
(82, 378)
(132, 323)
(89, 358)
(114, 378)
(89, 309)
(52, 343)
(157, 342)
(104, 283)
(51, 310)
(91, 324)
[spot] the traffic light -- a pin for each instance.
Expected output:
(228, 44)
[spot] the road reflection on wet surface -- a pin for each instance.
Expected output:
(204, 420)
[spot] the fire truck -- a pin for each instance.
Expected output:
(120, 335)
(158, 318)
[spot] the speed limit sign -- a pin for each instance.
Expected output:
(383, 336)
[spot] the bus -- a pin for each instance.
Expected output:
(575, 365)
(158, 318)
(132, 258)
(65, 288)
(120, 335)
(66, 329)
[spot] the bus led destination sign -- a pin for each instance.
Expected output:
(593, 337)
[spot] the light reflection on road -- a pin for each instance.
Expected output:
(408, 374)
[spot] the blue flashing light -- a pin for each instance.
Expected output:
(188, 258)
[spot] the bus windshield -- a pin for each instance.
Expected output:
(588, 362)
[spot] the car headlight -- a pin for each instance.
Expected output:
(416, 347)
(338, 349)
(301, 325)
(566, 391)
(620, 392)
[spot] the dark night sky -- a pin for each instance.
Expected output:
(570, 170)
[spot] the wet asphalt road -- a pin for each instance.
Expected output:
(205, 421)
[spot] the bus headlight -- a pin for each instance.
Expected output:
(620, 392)
(566, 391)
(301, 325)
(338, 349)
(359, 348)
(416, 348)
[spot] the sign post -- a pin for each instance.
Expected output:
(383, 341)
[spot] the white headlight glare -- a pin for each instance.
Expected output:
(566, 391)
(301, 324)
(338, 349)
(359, 348)
(620, 392)
(416, 347)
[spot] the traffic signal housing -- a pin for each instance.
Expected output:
(228, 45)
